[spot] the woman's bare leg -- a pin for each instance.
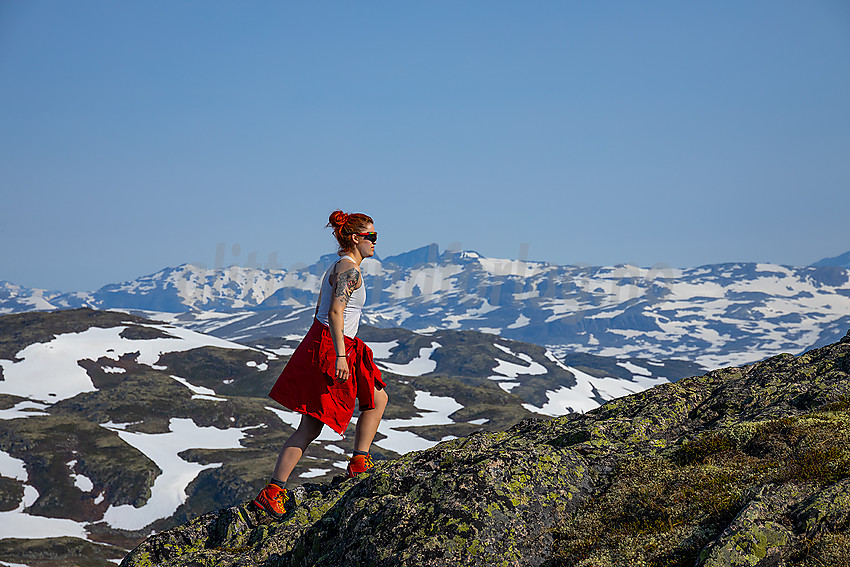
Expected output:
(294, 448)
(367, 423)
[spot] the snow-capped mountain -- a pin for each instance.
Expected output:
(714, 315)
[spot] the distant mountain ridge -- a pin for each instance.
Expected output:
(713, 315)
(842, 261)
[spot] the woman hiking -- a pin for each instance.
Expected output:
(331, 367)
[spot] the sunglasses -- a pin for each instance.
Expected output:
(370, 236)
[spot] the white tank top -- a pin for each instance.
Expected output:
(351, 313)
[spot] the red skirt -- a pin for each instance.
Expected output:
(307, 383)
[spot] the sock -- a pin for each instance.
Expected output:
(278, 483)
(360, 453)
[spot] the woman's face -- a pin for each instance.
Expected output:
(363, 245)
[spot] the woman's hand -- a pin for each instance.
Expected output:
(341, 369)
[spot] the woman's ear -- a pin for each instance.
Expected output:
(352, 241)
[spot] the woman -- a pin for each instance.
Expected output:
(331, 367)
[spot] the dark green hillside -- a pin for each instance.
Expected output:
(56, 552)
(606, 366)
(744, 466)
(225, 370)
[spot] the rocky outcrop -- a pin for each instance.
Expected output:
(741, 466)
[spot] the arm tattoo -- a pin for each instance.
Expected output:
(345, 285)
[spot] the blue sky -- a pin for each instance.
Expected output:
(139, 135)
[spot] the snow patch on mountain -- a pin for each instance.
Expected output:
(382, 350)
(199, 392)
(81, 481)
(434, 410)
(13, 468)
(635, 369)
(49, 372)
(426, 282)
(504, 267)
(17, 523)
(590, 392)
(506, 372)
(420, 365)
(169, 489)
(26, 408)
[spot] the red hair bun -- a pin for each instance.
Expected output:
(337, 219)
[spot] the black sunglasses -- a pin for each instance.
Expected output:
(370, 236)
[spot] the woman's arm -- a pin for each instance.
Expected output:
(344, 283)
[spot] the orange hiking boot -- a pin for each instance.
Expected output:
(359, 464)
(275, 501)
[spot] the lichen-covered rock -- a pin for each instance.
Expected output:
(483, 500)
(755, 536)
(828, 510)
(740, 467)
